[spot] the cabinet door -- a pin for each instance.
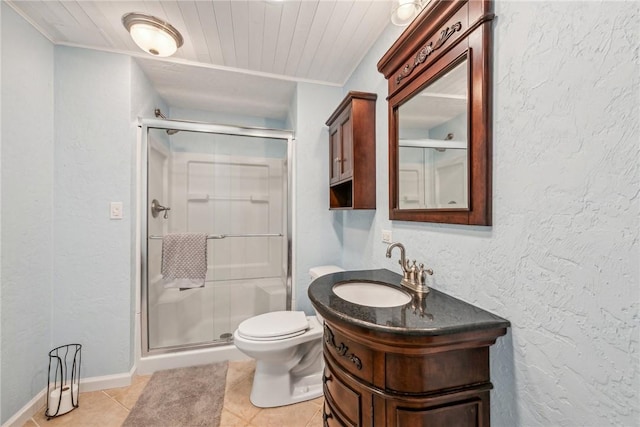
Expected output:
(349, 400)
(463, 415)
(334, 154)
(331, 419)
(467, 413)
(352, 169)
(346, 147)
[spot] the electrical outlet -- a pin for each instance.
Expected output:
(116, 210)
(387, 236)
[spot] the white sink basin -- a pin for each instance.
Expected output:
(371, 294)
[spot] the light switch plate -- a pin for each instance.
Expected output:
(116, 210)
(387, 236)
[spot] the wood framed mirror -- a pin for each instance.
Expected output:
(439, 80)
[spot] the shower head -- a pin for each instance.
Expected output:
(158, 113)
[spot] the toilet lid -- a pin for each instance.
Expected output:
(277, 324)
(278, 338)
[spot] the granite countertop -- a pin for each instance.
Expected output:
(433, 314)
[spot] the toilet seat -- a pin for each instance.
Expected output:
(277, 325)
(276, 338)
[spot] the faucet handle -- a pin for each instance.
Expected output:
(422, 272)
(413, 272)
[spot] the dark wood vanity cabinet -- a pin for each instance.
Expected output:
(375, 379)
(424, 363)
(352, 148)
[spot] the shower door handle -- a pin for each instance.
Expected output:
(156, 208)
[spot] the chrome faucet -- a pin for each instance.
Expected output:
(402, 262)
(413, 276)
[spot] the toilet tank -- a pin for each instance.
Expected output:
(319, 271)
(315, 272)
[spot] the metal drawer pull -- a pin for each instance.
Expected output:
(325, 417)
(326, 378)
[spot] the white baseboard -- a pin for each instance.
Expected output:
(86, 384)
(107, 381)
(28, 410)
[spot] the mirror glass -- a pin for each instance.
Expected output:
(433, 144)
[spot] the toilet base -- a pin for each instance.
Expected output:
(287, 371)
(278, 385)
(268, 392)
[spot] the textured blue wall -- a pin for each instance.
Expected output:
(69, 130)
(93, 166)
(561, 260)
(564, 269)
(318, 230)
(26, 204)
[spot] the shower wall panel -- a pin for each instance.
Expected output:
(232, 195)
(158, 188)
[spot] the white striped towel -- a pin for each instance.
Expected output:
(184, 260)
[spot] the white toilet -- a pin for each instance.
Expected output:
(287, 346)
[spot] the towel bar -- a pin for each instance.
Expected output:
(224, 236)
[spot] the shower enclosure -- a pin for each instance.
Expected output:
(234, 185)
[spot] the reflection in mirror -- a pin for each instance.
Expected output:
(433, 144)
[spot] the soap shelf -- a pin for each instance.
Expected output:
(202, 197)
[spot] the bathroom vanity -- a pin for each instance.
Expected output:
(424, 363)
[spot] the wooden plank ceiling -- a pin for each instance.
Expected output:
(289, 41)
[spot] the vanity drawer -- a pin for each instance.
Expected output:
(330, 418)
(459, 414)
(350, 400)
(347, 354)
(437, 372)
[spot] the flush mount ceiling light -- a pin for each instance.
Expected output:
(405, 12)
(152, 35)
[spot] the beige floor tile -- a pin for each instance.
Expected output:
(239, 370)
(230, 420)
(96, 410)
(236, 399)
(318, 401)
(297, 415)
(107, 408)
(316, 420)
(127, 396)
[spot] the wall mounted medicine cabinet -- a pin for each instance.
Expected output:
(352, 153)
(439, 82)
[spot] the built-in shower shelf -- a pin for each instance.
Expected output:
(411, 199)
(201, 197)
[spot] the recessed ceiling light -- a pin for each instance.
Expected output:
(406, 11)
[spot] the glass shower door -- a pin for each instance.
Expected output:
(234, 189)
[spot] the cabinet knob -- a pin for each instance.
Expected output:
(325, 417)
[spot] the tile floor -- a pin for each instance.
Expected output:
(109, 408)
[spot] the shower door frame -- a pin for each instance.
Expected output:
(183, 125)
